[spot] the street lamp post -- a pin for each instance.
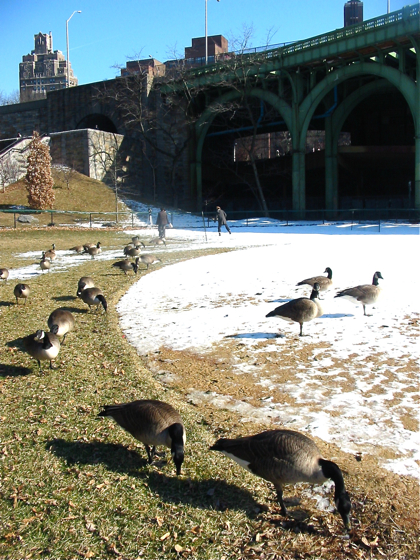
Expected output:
(205, 25)
(67, 42)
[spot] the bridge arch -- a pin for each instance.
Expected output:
(97, 121)
(390, 77)
(207, 118)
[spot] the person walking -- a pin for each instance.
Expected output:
(161, 222)
(221, 218)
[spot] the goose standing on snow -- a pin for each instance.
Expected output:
(93, 251)
(45, 263)
(78, 248)
(132, 251)
(21, 291)
(148, 260)
(93, 296)
(325, 282)
(286, 457)
(300, 310)
(153, 423)
(4, 274)
(42, 346)
(366, 294)
(60, 322)
(50, 254)
(84, 282)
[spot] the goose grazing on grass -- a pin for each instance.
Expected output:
(21, 291)
(45, 263)
(93, 296)
(93, 251)
(42, 346)
(153, 423)
(286, 457)
(300, 310)
(61, 322)
(84, 282)
(325, 282)
(366, 294)
(4, 274)
(126, 266)
(50, 254)
(147, 260)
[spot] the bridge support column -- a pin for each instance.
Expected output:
(417, 171)
(331, 170)
(298, 183)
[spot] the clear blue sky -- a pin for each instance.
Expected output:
(110, 32)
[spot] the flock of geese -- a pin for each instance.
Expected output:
(302, 310)
(279, 456)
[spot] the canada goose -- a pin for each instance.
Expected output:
(84, 282)
(88, 246)
(153, 423)
(50, 254)
(137, 241)
(126, 265)
(132, 251)
(21, 291)
(366, 294)
(325, 282)
(286, 457)
(157, 241)
(95, 250)
(78, 249)
(148, 260)
(42, 346)
(300, 310)
(45, 263)
(4, 274)
(63, 320)
(93, 296)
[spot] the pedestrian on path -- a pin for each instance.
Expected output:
(161, 222)
(221, 218)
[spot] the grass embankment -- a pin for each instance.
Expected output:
(76, 486)
(83, 195)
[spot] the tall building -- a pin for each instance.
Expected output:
(43, 70)
(353, 12)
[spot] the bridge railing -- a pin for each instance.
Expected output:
(284, 49)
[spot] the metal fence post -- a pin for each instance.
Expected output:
(90, 220)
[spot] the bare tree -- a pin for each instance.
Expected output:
(246, 115)
(9, 171)
(9, 98)
(66, 173)
(154, 101)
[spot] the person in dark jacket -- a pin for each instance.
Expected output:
(221, 218)
(161, 222)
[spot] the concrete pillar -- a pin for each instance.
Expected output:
(417, 170)
(331, 169)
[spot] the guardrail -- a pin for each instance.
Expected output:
(9, 218)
